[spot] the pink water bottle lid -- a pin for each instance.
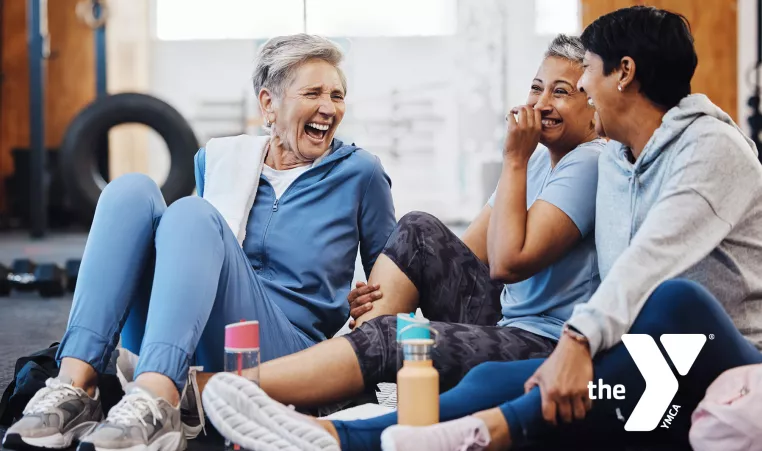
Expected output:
(242, 337)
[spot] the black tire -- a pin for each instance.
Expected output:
(78, 159)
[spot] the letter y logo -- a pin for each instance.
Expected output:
(661, 384)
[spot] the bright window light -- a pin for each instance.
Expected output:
(260, 19)
(354, 18)
(227, 19)
(556, 16)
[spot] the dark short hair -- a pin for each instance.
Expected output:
(660, 43)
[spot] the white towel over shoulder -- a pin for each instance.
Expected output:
(231, 177)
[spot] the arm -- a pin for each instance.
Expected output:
(199, 163)
(521, 243)
(705, 196)
(377, 218)
(475, 236)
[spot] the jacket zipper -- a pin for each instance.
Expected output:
(276, 203)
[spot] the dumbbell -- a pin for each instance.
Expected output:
(5, 283)
(48, 278)
(22, 274)
(72, 271)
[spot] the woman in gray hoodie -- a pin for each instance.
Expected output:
(679, 240)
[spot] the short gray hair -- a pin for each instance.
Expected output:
(281, 56)
(566, 47)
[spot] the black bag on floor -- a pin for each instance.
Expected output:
(30, 375)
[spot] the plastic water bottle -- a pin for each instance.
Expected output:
(242, 355)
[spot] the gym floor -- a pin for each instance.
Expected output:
(29, 323)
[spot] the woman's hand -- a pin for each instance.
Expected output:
(361, 300)
(523, 134)
(563, 380)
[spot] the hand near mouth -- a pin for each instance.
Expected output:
(523, 133)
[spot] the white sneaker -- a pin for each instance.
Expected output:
(245, 415)
(55, 417)
(140, 422)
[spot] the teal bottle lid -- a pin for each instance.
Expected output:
(409, 327)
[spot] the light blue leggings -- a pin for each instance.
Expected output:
(169, 280)
(676, 307)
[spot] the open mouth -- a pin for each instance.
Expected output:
(316, 131)
(551, 123)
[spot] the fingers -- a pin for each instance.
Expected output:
(564, 409)
(530, 384)
(579, 408)
(522, 117)
(361, 290)
(360, 311)
(537, 119)
(549, 408)
(365, 299)
(352, 323)
(530, 117)
(355, 292)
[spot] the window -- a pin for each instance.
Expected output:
(556, 16)
(259, 19)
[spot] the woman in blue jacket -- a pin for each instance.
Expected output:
(170, 278)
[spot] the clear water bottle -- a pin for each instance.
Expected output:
(242, 356)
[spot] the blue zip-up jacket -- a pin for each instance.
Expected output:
(304, 245)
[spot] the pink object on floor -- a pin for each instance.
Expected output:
(729, 418)
(466, 434)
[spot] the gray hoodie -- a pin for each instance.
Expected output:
(690, 206)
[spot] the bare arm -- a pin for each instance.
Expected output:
(520, 243)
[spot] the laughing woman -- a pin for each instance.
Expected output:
(679, 209)
(170, 278)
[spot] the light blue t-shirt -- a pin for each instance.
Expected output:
(542, 303)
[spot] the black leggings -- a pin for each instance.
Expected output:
(457, 295)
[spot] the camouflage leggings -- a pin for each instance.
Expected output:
(457, 295)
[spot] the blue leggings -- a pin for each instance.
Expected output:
(169, 280)
(676, 307)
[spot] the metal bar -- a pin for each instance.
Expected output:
(100, 54)
(101, 88)
(36, 21)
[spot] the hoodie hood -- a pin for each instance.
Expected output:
(674, 123)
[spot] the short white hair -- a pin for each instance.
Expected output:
(280, 57)
(566, 47)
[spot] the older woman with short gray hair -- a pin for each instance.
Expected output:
(170, 278)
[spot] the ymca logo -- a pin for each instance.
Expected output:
(661, 384)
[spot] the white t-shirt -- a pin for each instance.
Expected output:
(281, 180)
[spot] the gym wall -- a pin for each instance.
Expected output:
(70, 83)
(714, 24)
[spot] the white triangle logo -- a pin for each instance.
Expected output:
(683, 349)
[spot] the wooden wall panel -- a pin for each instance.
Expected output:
(71, 69)
(14, 91)
(70, 82)
(714, 24)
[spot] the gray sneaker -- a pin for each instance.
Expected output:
(139, 422)
(55, 417)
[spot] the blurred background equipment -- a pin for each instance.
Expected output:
(83, 143)
(428, 90)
